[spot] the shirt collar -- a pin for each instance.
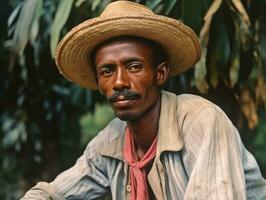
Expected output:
(115, 147)
(169, 137)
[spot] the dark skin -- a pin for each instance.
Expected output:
(129, 65)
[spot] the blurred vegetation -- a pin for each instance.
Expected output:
(45, 121)
(92, 123)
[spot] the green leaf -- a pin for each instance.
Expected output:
(22, 62)
(11, 30)
(95, 4)
(234, 64)
(7, 124)
(192, 13)
(200, 73)
(35, 24)
(80, 96)
(79, 2)
(158, 9)
(262, 47)
(218, 49)
(61, 17)
(152, 4)
(14, 135)
(23, 25)
(234, 68)
(168, 6)
(200, 68)
(213, 72)
(98, 7)
(36, 52)
(240, 8)
(239, 14)
(14, 14)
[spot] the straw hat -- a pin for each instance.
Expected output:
(125, 18)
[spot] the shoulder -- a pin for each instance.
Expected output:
(188, 103)
(113, 131)
(194, 104)
(201, 121)
(190, 109)
(194, 109)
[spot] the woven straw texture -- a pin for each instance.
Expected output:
(125, 18)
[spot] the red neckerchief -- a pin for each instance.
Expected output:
(139, 188)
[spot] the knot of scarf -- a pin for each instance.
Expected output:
(137, 173)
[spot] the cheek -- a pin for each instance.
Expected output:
(103, 86)
(145, 84)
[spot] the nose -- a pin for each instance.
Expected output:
(121, 80)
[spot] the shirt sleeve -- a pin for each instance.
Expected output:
(42, 191)
(218, 165)
(85, 180)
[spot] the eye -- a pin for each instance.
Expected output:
(106, 71)
(134, 67)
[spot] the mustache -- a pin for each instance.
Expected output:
(127, 94)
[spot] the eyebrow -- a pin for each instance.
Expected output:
(104, 65)
(132, 59)
(124, 61)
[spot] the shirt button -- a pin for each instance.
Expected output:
(128, 188)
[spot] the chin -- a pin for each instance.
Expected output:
(126, 116)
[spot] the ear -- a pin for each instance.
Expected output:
(162, 73)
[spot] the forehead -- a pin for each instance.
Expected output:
(123, 47)
(126, 41)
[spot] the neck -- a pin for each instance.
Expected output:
(145, 128)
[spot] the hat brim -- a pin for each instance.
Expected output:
(73, 52)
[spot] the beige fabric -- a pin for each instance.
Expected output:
(199, 156)
(43, 191)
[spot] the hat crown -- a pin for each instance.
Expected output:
(125, 8)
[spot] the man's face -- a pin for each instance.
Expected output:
(127, 78)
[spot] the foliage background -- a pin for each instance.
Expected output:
(45, 121)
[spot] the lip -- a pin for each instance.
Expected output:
(120, 103)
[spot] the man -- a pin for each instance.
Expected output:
(160, 146)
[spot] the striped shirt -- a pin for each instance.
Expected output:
(199, 156)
